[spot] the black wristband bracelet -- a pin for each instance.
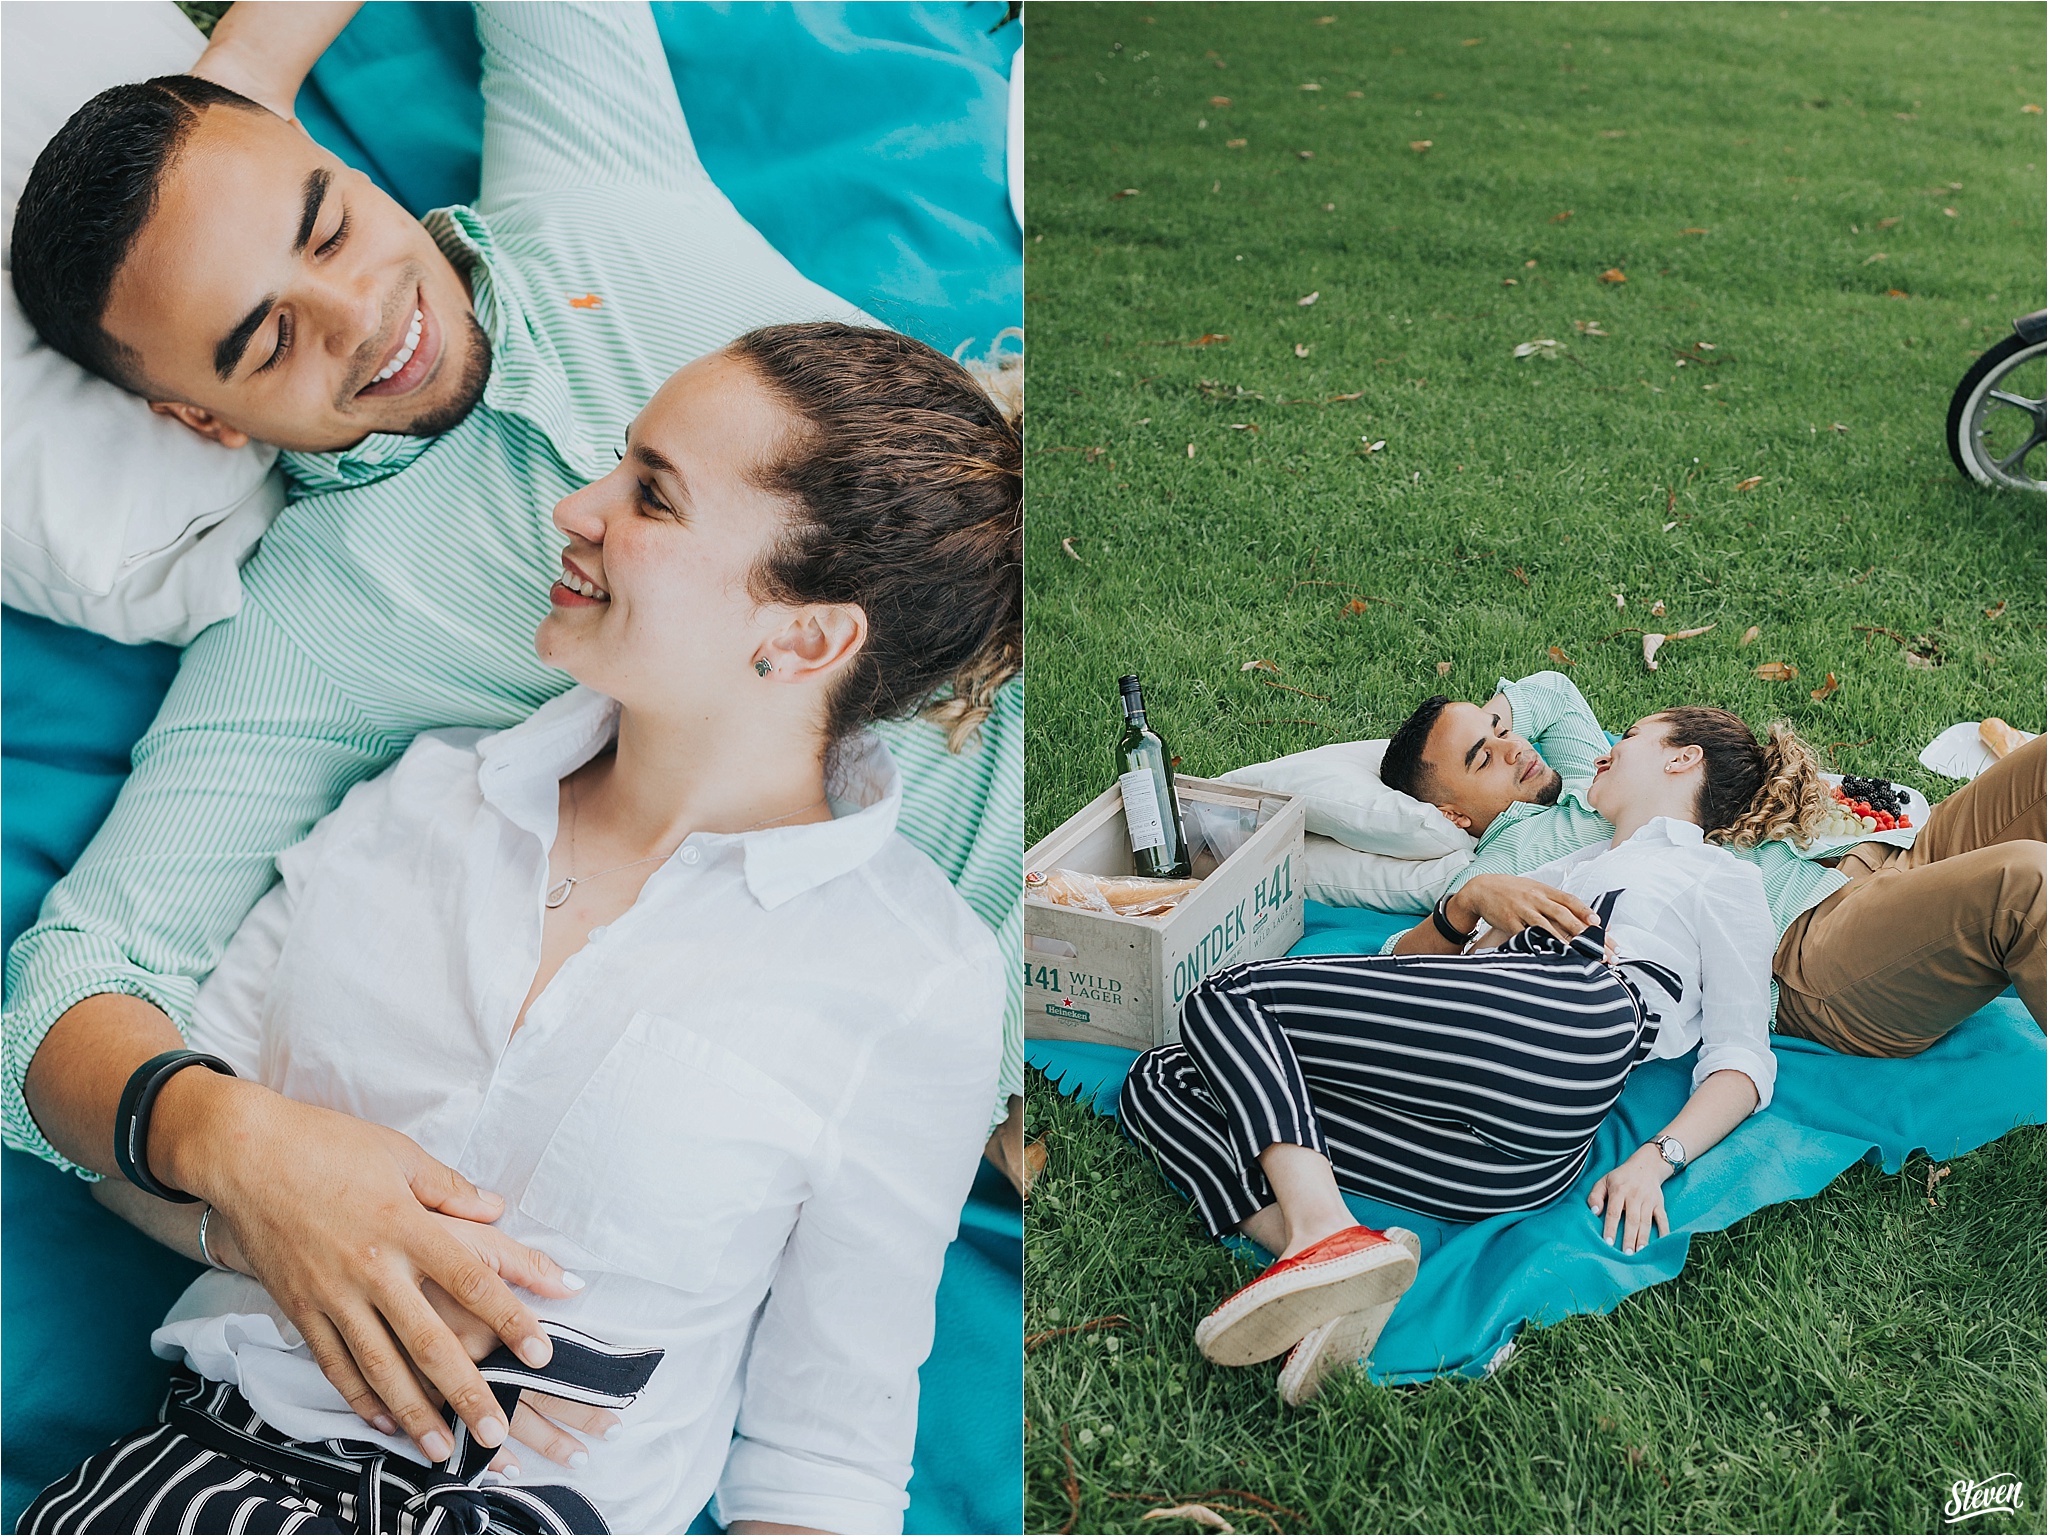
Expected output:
(131, 1121)
(1442, 919)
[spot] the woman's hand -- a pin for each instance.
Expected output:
(338, 1219)
(1632, 1198)
(1514, 902)
(543, 1423)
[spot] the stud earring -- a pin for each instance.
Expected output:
(763, 666)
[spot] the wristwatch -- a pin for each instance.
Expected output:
(1672, 1150)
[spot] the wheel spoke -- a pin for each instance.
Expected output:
(2021, 401)
(2006, 464)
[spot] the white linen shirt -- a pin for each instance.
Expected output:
(1695, 907)
(747, 1112)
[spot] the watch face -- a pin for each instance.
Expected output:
(1673, 1150)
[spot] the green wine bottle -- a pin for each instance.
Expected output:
(1144, 772)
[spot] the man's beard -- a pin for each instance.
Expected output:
(1548, 794)
(476, 373)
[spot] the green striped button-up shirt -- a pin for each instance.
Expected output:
(1555, 717)
(401, 588)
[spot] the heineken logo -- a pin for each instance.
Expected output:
(1067, 1010)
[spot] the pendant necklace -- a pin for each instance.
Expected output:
(560, 891)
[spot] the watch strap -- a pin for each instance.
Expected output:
(1440, 915)
(131, 1120)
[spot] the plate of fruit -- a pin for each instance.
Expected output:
(1873, 811)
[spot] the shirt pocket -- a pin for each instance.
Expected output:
(671, 1146)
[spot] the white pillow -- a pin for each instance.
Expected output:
(1344, 877)
(1345, 800)
(111, 516)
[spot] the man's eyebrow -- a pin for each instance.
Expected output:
(661, 464)
(317, 182)
(1473, 751)
(227, 357)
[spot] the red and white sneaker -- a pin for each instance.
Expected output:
(1348, 1271)
(1342, 1344)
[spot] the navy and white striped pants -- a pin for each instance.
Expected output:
(211, 1464)
(1460, 1086)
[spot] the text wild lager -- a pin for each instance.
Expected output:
(1144, 772)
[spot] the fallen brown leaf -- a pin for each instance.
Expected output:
(1234, 143)
(1613, 133)
(1657, 609)
(1300, 350)
(1750, 484)
(1127, 192)
(1443, 669)
(1934, 1176)
(1693, 231)
(1888, 223)
(1115, 1320)
(1324, 21)
(1924, 663)
(1519, 576)
(1199, 1514)
(1067, 544)
(1310, 85)
(1635, 1455)
(1261, 665)
(1034, 1163)
(1777, 672)
(1614, 275)
(1308, 298)
(1557, 655)
(1559, 218)
(1472, 42)
(1995, 609)
(1620, 601)
(1588, 328)
(1653, 643)
(1895, 293)
(1826, 688)
(1748, 635)
(2033, 107)
(1836, 426)
(1209, 339)
(1421, 146)
(1356, 605)
(1305, 154)
(1219, 101)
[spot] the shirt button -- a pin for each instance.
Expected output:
(690, 855)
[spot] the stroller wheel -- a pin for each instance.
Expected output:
(1995, 421)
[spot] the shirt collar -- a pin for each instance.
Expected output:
(1669, 832)
(526, 377)
(521, 771)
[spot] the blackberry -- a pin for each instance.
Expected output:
(1878, 794)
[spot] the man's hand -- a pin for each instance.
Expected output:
(1514, 902)
(541, 1422)
(1633, 1194)
(327, 1211)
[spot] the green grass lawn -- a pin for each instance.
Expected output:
(1821, 212)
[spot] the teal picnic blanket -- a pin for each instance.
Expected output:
(1480, 1283)
(867, 143)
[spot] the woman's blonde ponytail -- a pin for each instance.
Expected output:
(1792, 798)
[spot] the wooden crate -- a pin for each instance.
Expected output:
(1121, 980)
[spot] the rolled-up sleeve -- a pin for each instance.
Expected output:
(1737, 938)
(828, 1416)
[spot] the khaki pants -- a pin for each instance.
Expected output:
(1921, 938)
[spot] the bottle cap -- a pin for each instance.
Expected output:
(1128, 686)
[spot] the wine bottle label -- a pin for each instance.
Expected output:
(1141, 810)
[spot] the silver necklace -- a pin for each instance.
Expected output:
(560, 891)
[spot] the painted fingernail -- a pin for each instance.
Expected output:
(384, 1424)
(574, 1281)
(491, 1431)
(437, 1446)
(534, 1350)
(510, 1469)
(579, 1460)
(615, 1431)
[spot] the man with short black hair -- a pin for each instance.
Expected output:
(439, 385)
(1881, 950)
